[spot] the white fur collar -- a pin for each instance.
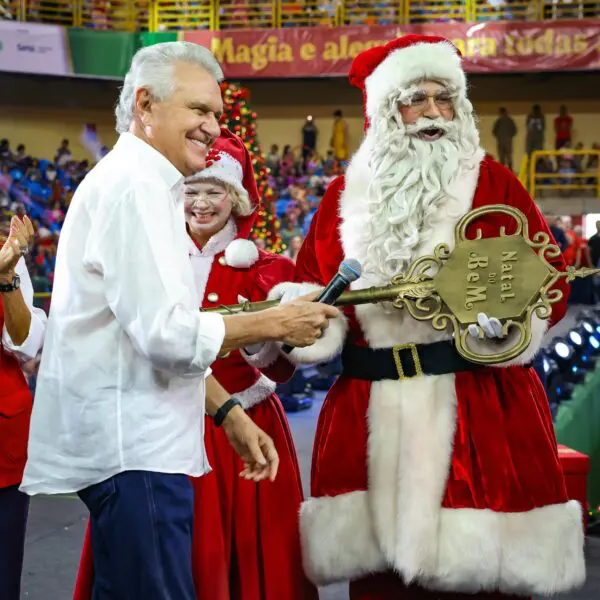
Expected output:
(239, 253)
(217, 242)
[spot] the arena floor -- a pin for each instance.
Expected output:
(57, 524)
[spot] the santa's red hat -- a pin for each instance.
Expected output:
(229, 161)
(386, 70)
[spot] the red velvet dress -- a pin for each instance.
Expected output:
(434, 486)
(246, 538)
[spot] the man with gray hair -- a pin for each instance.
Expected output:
(120, 393)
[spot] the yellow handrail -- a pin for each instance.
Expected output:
(215, 15)
(578, 177)
(520, 10)
(524, 170)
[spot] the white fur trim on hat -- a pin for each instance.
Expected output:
(405, 66)
(241, 254)
(224, 168)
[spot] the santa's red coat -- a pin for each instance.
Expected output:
(451, 481)
(246, 542)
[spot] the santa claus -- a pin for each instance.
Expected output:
(432, 477)
(246, 543)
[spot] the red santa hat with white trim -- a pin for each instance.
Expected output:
(383, 71)
(230, 161)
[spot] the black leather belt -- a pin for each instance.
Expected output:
(403, 362)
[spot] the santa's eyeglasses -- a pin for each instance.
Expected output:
(420, 100)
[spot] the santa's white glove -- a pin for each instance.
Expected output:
(492, 328)
(291, 293)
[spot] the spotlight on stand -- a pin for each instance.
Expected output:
(585, 346)
(589, 328)
(564, 353)
(549, 374)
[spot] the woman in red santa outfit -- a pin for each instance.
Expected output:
(246, 537)
(22, 329)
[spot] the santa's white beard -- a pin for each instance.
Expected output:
(411, 179)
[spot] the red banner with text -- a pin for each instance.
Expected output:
(495, 47)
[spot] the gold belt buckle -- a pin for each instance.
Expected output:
(415, 356)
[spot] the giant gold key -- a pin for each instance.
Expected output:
(509, 277)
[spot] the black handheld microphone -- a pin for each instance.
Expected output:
(348, 272)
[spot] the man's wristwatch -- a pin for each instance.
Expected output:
(15, 284)
(224, 410)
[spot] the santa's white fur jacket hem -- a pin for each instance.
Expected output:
(515, 553)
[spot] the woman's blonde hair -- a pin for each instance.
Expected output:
(240, 204)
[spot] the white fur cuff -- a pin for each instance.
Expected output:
(256, 393)
(332, 342)
(534, 552)
(338, 540)
(265, 357)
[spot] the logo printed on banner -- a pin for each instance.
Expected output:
(33, 48)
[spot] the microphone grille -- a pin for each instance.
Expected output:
(350, 269)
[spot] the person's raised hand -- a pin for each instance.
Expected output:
(16, 245)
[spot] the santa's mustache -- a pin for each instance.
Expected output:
(423, 124)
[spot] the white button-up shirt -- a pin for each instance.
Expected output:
(34, 341)
(121, 380)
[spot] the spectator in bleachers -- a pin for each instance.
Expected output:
(272, 159)
(591, 166)
(291, 229)
(329, 162)
(594, 246)
(339, 136)
(505, 129)
(577, 254)
(63, 154)
(563, 128)
(20, 157)
(536, 128)
(33, 172)
(294, 247)
(557, 229)
(287, 162)
(5, 153)
(310, 133)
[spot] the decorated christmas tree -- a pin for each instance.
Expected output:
(239, 118)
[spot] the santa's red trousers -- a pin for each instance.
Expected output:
(388, 586)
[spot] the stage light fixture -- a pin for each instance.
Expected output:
(591, 334)
(549, 373)
(566, 353)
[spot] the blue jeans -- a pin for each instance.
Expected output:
(14, 506)
(141, 529)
